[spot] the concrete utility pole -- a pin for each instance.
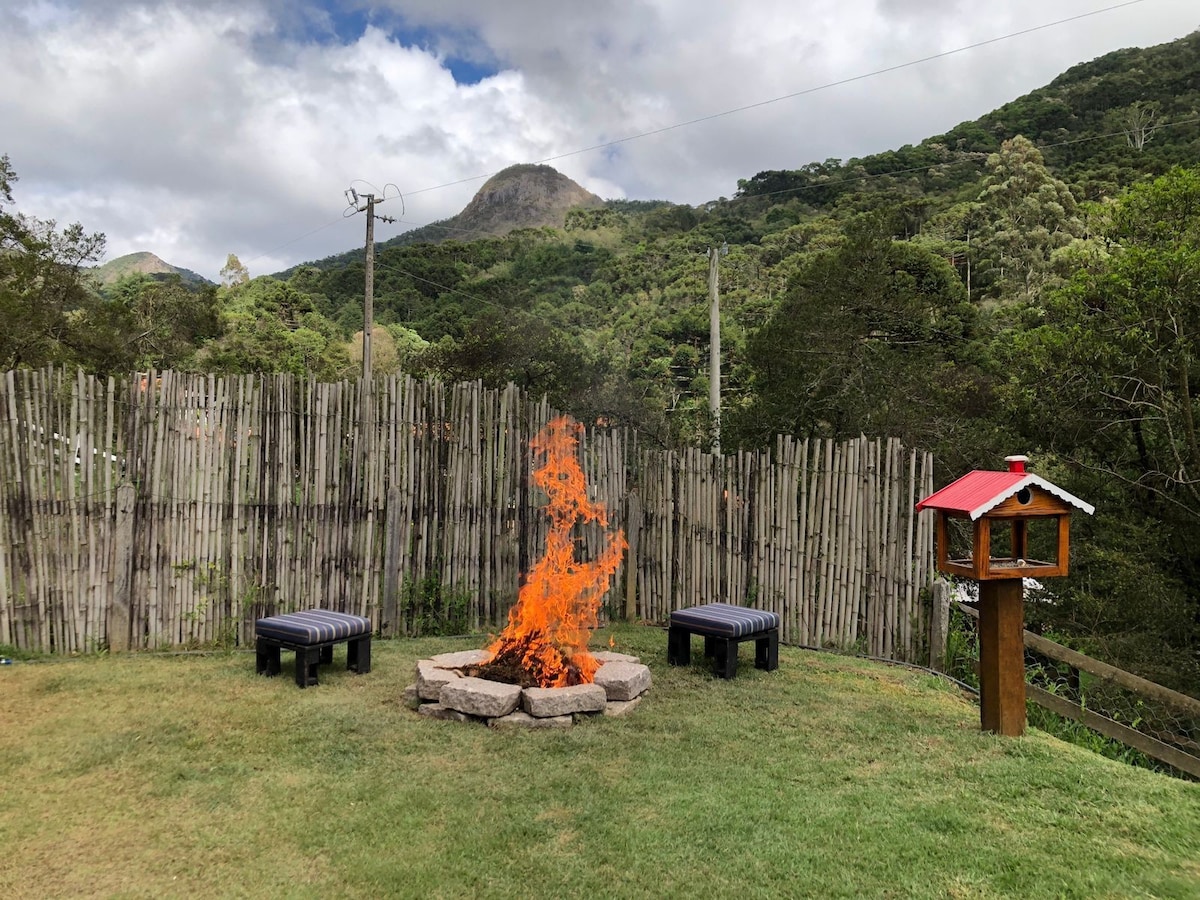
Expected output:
(367, 410)
(714, 343)
(369, 289)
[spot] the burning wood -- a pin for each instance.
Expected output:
(545, 641)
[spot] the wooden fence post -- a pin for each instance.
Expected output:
(120, 625)
(391, 565)
(939, 624)
(633, 536)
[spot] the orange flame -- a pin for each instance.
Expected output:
(548, 629)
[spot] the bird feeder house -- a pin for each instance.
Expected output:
(1011, 516)
(1002, 509)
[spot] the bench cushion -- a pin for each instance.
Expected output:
(724, 620)
(315, 626)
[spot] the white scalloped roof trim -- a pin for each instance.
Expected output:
(1024, 483)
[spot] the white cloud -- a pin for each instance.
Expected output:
(194, 129)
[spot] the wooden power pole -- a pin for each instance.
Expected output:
(714, 343)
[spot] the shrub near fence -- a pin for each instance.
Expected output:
(171, 510)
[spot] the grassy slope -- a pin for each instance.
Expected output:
(171, 776)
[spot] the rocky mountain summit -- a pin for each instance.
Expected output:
(521, 196)
(143, 263)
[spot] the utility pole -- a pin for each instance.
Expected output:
(714, 343)
(367, 410)
(369, 289)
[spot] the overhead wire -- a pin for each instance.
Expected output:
(801, 93)
(749, 106)
(834, 182)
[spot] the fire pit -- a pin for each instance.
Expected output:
(445, 690)
(540, 661)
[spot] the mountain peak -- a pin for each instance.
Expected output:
(523, 196)
(142, 263)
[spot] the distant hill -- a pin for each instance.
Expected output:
(143, 264)
(1101, 125)
(522, 196)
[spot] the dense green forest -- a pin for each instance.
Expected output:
(1028, 282)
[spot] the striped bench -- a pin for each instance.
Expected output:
(312, 635)
(724, 626)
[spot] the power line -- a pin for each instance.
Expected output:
(450, 290)
(801, 93)
(834, 182)
(728, 112)
(951, 162)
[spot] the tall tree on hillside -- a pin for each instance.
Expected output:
(867, 339)
(1106, 385)
(269, 326)
(233, 273)
(1029, 214)
(162, 322)
(1120, 347)
(42, 284)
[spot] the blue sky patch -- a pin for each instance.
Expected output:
(462, 51)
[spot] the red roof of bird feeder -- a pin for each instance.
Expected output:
(980, 491)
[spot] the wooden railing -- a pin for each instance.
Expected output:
(1164, 726)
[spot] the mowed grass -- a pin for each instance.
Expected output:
(153, 775)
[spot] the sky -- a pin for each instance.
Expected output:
(199, 128)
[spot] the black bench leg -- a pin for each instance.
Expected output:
(766, 651)
(307, 660)
(266, 658)
(358, 655)
(327, 655)
(725, 651)
(679, 646)
(710, 646)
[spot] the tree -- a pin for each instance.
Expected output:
(162, 322)
(1137, 123)
(234, 273)
(43, 284)
(1122, 343)
(867, 339)
(269, 326)
(1029, 214)
(499, 348)
(1105, 384)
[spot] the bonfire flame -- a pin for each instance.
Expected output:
(547, 633)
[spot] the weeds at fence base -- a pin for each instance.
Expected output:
(429, 608)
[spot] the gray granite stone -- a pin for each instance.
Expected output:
(544, 703)
(623, 680)
(520, 719)
(618, 708)
(607, 656)
(459, 658)
(437, 711)
(431, 677)
(412, 697)
(480, 697)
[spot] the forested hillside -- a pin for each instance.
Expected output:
(1028, 282)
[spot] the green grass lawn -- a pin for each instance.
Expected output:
(152, 775)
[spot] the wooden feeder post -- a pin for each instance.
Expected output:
(1002, 656)
(1003, 508)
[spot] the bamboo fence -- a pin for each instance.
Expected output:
(170, 509)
